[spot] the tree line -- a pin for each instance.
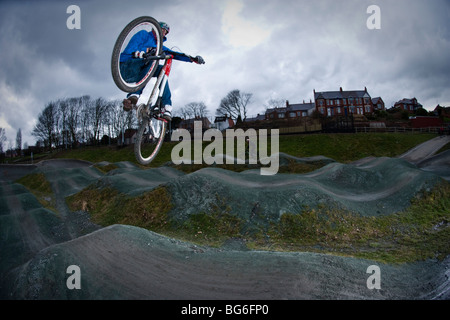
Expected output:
(69, 122)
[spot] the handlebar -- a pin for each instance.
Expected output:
(163, 56)
(148, 56)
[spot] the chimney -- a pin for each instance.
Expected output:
(365, 89)
(340, 89)
(287, 103)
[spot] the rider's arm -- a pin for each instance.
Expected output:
(183, 57)
(137, 43)
(177, 55)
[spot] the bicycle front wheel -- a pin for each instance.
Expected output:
(130, 74)
(149, 139)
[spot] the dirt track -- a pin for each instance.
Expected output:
(125, 262)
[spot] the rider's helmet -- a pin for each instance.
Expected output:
(164, 26)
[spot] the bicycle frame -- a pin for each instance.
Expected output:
(157, 91)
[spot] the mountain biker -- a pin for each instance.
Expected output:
(132, 67)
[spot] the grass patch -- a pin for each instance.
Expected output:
(340, 147)
(351, 147)
(150, 211)
(108, 206)
(418, 233)
(39, 186)
(106, 168)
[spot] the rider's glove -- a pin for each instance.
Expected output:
(138, 54)
(198, 60)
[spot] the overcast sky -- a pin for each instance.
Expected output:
(274, 49)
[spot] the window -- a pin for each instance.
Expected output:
(330, 111)
(280, 115)
(292, 115)
(338, 110)
(304, 113)
(367, 109)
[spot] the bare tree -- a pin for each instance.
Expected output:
(234, 105)
(19, 140)
(45, 128)
(75, 106)
(196, 109)
(275, 103)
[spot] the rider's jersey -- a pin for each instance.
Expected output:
(143, 40)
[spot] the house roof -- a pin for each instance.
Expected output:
(192, 120)
(293, 107)
(258, 117)
(412, 101)
(341, 94)
(376, 100)
(301, 106)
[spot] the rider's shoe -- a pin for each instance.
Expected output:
(130, 103)
(167, 112)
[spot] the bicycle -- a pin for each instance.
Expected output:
(152, 126)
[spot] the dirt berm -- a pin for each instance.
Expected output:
(126, 262)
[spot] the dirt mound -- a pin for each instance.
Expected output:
(377, 186)
(125, 262)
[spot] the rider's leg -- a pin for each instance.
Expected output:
(132, 71)
(166, 101)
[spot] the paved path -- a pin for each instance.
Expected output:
(425, 150)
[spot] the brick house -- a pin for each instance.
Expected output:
(378, 104)
(343, 103)
(410, 105)
(223, 122)
(291, 111)
(442, 111)
(189, 123)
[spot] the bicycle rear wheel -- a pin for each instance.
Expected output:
(149, 139)
(131, 75)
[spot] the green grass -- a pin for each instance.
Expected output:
(350, 147)
(39, 186)
(340, 147)
(418, 233)
(150, 210)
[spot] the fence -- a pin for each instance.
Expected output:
(398, 129)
